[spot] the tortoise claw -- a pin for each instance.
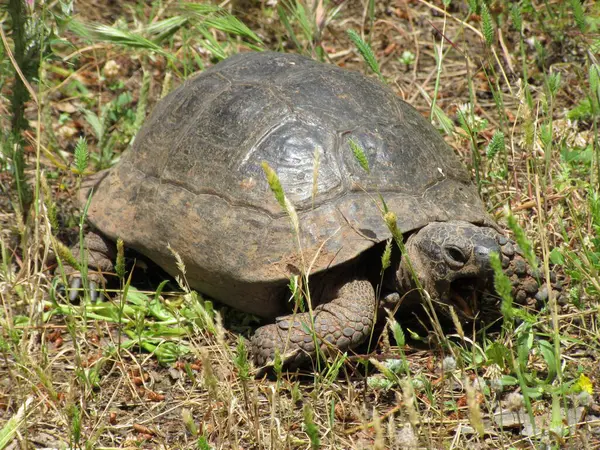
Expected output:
(93, 291)
(74, 288)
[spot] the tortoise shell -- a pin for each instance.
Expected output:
(193, 179)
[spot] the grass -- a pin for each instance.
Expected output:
(515, 89)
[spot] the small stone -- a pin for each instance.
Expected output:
(392, 298)
(521, 297)
(406, 437)
(449, 364)
(530, 286)
(542, 294)
(508, 249)
(505, 262)
(561, 299)
(520, 267)
(502, 240)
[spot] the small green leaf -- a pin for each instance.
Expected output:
(387, 256)
(82, 156)
(508, 380)
(524, 344)
(516, 16)
(283, 201)
(594, 80)
(487, 26)
(578, 14)
(522, 241)
(277, 363)
(443, 120)
(398, 333)
(503, 286)
(365, 51)
(495, 145)
(359, 154)
(498, 353)
(581, 111)
(311, 428)
(120, 264)
(241, 360)
(95, 122)
(547, 351)
(553, 83)
(556, 257)
(274, 183)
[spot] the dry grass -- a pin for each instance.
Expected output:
(72, 375)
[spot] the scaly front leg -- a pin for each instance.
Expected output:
(344, 322)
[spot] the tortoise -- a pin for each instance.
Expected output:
(193, 180)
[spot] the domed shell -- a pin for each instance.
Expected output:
(193, 179)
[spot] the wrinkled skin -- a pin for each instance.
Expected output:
(447, 257)
(450, 260)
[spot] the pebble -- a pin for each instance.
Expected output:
(520, 267)
(542, 294)
(530, 286)
(508, 249)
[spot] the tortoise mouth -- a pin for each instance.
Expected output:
(464, 294)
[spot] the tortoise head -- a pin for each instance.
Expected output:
(452, 263)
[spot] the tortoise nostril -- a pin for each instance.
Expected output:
(455, 256)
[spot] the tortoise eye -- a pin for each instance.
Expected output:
(455, 256)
